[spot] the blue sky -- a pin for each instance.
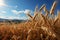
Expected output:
(17, 9)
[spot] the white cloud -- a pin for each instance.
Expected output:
(2, 17)
(3, 12)
(27, 11)
(17, 12)
(24, 18)
(23, 11)
(14, 11)
(2, 3)
(10, 17)
(14, 17)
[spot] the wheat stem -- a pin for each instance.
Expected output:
(53, 8)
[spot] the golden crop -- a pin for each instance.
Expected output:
(39, 27)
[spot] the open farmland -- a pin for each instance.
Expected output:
(39, 27)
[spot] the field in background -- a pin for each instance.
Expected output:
(40, 27)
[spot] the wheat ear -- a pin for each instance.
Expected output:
(29, 15)
(58, 14)
(35, 16)
(53, 8)
(36, 8)
(43, 18)
(56, 19)
(36, 12)
(46, 11)
(42, 7)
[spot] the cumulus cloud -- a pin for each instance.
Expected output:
(14, 17)
(3, 12)
(2, 3)
(2, 17)
(27, 11)
(10, 17)
(23, 11)
(14, 11)
(17, 12)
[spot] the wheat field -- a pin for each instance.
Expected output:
(39, 27)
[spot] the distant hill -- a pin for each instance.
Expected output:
(12, 20)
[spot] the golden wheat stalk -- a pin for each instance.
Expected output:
(29, 15)
(36, 8)
(41, 36)
(43, 18)
(14, 37)
(46, 11)
(36, 12)
(47, 38)
(42, 7)
(56, 19)
(53, 8)
(32, 17)
(45, 21)
(35, 16)
(58, 14)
